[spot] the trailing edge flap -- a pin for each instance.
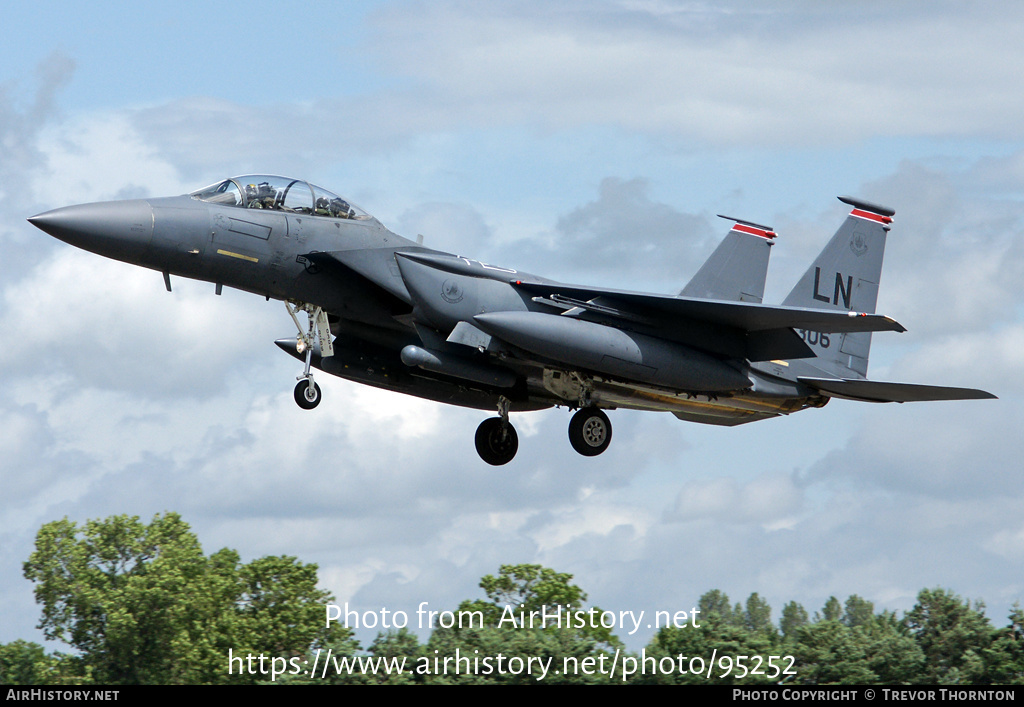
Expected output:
(375, 264)
(879, 392)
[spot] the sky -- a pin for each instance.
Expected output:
(592, 143)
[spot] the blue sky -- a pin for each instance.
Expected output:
(566, 139)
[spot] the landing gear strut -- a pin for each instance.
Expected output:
(307, 392)
(590, 431)
(496, 438)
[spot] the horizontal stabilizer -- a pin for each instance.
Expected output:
(879, 392)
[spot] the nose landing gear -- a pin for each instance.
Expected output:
(307, 392)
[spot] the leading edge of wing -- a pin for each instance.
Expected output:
(745, 316)
(882, 392)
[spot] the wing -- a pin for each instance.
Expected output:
(756, 332)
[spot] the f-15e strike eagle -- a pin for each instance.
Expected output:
(386, 311)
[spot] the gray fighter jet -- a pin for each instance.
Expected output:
(388, 312)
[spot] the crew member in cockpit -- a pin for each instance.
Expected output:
(261, 196)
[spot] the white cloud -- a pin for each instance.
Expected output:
(769, 500)
(99, 157)
(114, 325)
(736, 76)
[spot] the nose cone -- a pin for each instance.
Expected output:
(116, 229)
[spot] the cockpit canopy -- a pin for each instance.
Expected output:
(260, 191)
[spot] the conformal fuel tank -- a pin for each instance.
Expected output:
(614, 352)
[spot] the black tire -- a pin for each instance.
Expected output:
(306, 399)
(496, 443)
(590, 432)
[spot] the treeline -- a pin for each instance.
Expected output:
(141, 604)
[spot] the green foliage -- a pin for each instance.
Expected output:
(793, 617)
(726, 631)
(953, 634)
(858, 611)
(511, 632)
(520, 592)
(24, 663)
(396, 643)
(1004, 658)
(832, 611)
(143, 604)
(830, 653)
(715, 608)
(515, 657)
(757, 616)
(531, 587)
(893, 655)
(728, 641)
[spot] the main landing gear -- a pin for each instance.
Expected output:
(307, 392)
(590, 433)
(496, 438)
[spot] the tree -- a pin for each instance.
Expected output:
(832, 611)
(143, 604)
(757, 616)
(894, 656)
(953, 635)
(858, 611)
(24, 663)
(714, 637)
(531, 587)
(1005, 657)
(519, 590)
(506, 630)
(715, 608)
(831, 653)
(396, 644)
(793, 617)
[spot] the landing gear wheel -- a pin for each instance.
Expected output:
(590, 432)
(496, 441)
(306, 397)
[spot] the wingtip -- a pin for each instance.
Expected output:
(893, 324)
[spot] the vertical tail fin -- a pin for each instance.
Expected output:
(736, 271)
(845, 276)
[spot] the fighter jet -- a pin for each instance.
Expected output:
(386, 311)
